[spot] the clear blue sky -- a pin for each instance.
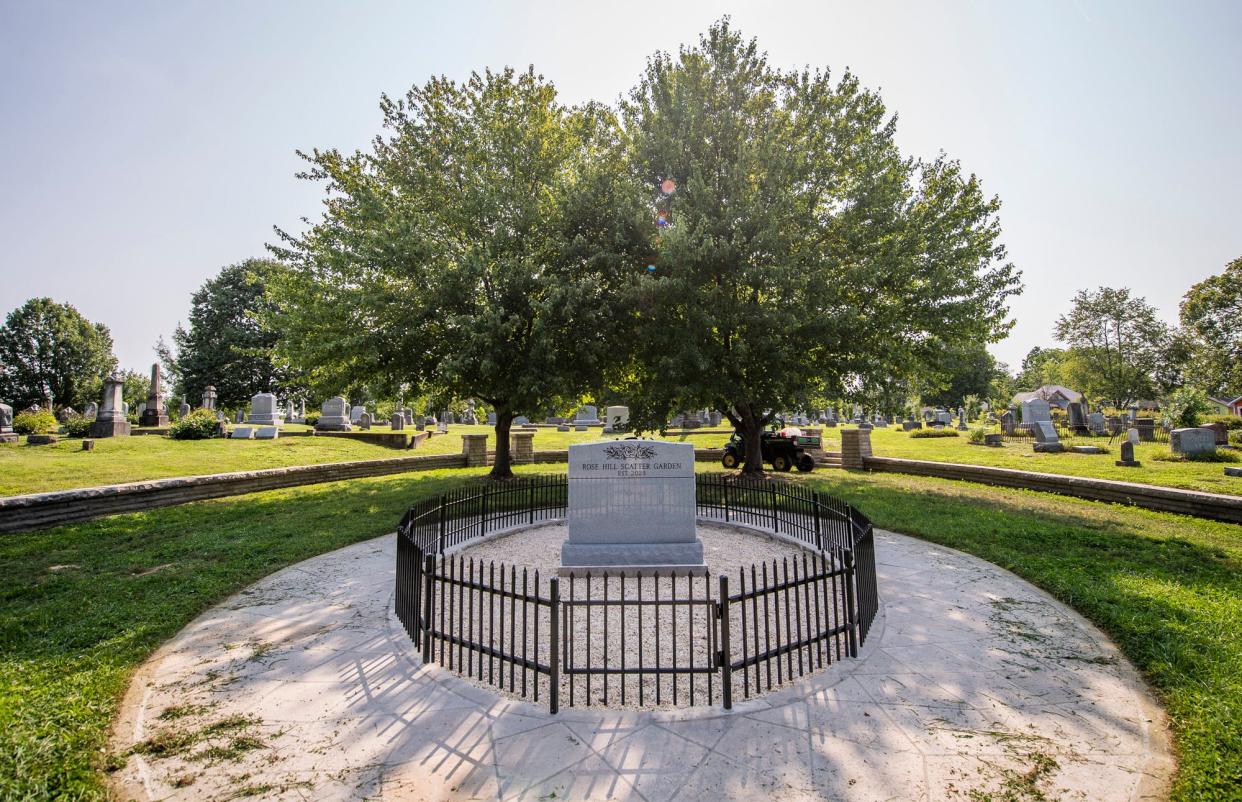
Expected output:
(143, 146)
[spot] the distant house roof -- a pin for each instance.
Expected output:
(1047, 392)
(1226, 402)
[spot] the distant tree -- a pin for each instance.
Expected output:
(1211, 315)
(1117, 340)
(52, 356)
(226, 344)
(481, 250)
(800, 255)
(965, 370)
(1043, 366)
(135, 388)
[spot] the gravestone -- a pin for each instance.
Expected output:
(491, 419)
(364, 421)
(993, 439)
(209, 397)
(1127, 455)
(267, 433)
(88, 445)
(1233, 471)
(1146, 429)
(184, 409)
(1008, 422)
(943, 417)
(142, 408)
(961, 419)
(1035, 410)
(264, 410)
(110, 421)
(1221, 431)
(1077, 418)
(355, 413)
(617, 419)
(563, 427)
(587, 414)
(66, 414)
(632, 507)
(42, 439)
(397, 422)
(442, 427)
(470, 418)
(1132, 436)
(448, 417)
(713, 418)
(1192, 441)
(1096, 424)
(240, 417)
(521, 420)
(7, 435)
(334, 416)
(1133, 413)
(1046, 438)
(580, 427)
(242, 433)
(155, 413)
(908, 426)
(92, 409)
(429, 420)
(408, 415)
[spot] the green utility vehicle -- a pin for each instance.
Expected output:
(781, 449)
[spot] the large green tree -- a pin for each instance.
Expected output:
(802, 255)
(1117, 343)
(481, 249)
(1211, 314)
(52, 356)
(226, 344)
(968, 369)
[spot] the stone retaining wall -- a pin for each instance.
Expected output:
(43, 510)
(1165, 499)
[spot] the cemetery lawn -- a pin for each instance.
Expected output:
(83, 605)
(1206, 476)
(115, 460)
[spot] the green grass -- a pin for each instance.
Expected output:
(80, 608)
(39, 469)
(1186, 474)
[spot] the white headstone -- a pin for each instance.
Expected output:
(588, 414)
(616, 418)
(631, 505)
(1133, 435)
(1192, 441)
(242, 433)
(334, 416)
(264, 411)
(355, 414)
(1036, 410)
(267, 433)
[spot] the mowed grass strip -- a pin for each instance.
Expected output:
(81, 606)
(115, 460)
(1167, 472)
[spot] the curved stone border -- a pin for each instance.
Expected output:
(1216, 506)
(973, 681)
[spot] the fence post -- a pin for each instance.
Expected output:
(819, 535)
(483, 513)
(429, 573)
(851, 614)
(530, 502)
(725, 657)
(726, 500)
(443, 513)
(776, 525)
(554, 648)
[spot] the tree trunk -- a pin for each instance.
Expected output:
(749, 424)
(501, 468)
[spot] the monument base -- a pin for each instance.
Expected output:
(632, 558)
(110, 428)
(333, 423)
(9, 437)
(156, 419)
(265, 420)
(1048, 448)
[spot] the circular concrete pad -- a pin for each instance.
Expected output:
(305, 686)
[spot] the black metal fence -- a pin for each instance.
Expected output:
(1112, 433)
(617, 637)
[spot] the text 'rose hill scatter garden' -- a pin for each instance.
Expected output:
(644, 449)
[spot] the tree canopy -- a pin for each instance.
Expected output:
(800, 254)
(52, 356)
(1118, 341)
(481, 249)
(1211, 313)
(227, 344)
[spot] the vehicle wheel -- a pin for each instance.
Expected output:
(806, 464)
(781, 463)
(729, 460)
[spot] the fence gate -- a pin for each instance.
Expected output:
(640, 639)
